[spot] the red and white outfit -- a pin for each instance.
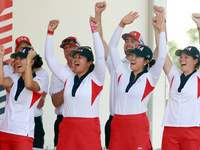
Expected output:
(8, 70)
(113, 82)
(80, 128)
(130, 125)
(18, 119)
(182, 115)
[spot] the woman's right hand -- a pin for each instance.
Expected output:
(53, 25)
(159, 20)
(128, 19)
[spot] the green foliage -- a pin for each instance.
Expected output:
(193, 35)
(172, 46)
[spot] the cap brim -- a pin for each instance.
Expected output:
(178, 52)
(124, 36)
(72, 53)
(135, 51)
(62, 45)
(13, 55)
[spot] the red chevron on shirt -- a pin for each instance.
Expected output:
(148, 89)
(36, 96)
(96, 89)
(198, 87)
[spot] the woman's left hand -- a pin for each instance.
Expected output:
(31, 54)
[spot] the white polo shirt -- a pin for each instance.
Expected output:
(44, 74)
(113, 83)
(85, 103)
(18, 117)
(56, 86)
(183, 108)
(8, 70)
(136, 99)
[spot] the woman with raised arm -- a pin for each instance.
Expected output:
(130, 126)
(181, 121)
(17, 126)
(80, 127)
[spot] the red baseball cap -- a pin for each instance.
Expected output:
(70, 40)
(22, 39)
(136, 35)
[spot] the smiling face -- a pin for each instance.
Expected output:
(130, 43)
(187, 63)
(20, 64)
(137, 63)
(80, 64)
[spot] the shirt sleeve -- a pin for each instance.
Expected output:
(8, 70)
(99, 70)
(43, 73)
(56, 68)
(156, 69)
(173, 71)
(56, 85)
(114, 54)
(109, 63)
(40, 82)
(15, 76)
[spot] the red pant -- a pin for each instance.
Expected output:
(130, 132)
(181, 138)
(15, 142)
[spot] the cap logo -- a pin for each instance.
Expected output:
(134, 33)
(80, 50)
(22, 39)
(188, 48)
(140, 48)
(22, 50)
(197, 56)
(148, 56)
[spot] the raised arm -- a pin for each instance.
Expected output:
(99, 8)
(5, 82)
(159, 24)
(55, 67)
(196, 19)
(99, 69)
(28, 79)
(114, 54)
(168, 62)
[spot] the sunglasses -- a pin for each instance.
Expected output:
(71, 41)
(86, 48)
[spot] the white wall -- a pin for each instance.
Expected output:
(31, 18)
